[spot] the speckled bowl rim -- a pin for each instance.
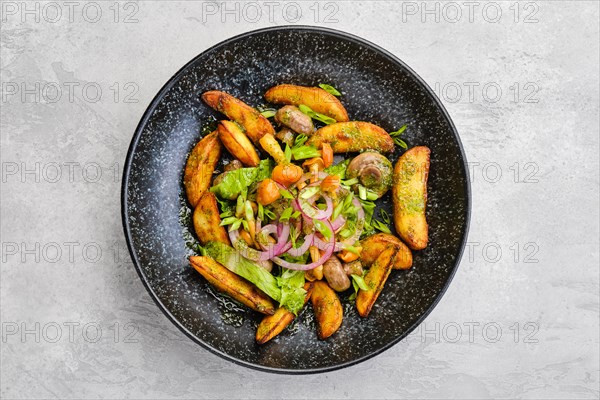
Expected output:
(150, 110)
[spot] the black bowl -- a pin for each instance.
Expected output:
(377, 87)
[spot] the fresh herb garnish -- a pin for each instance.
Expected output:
(380, 226)
(329, 89)
(396, 136)
(385, 216)
(315, 115)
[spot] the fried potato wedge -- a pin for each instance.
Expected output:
(207, 220)
(232, 285)
(200, 166)
(237, 143)
(353, 136)
(374, 245)
(314, 97)
(255, 125)
(273, 325)
(409, 195)
(328, 309)
(375, 280)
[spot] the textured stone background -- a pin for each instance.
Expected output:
(521, 316)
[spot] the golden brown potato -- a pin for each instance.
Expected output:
(352, 136)
(375, 279)
(255, 125)
(316, 98)
(273, 325)
(334, 273)
(207, 221)
(200, 167)
(409, 194)
(373, 245)
(238, 144)
(328, 309)
(232, 285)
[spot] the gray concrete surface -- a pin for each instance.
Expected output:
(521, 317)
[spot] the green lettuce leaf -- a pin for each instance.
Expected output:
(240, 179)
(236, 263)
(287, 289)
(292, 290)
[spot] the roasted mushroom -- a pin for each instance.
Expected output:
(335, 274)
(373, 170)
(286, 135)
(353, 268)
(296, 120)
(233, 165)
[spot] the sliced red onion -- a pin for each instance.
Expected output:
(308, 241)
(338, 223)
(309, 175)
(314, 212)
(360, 222)
(304, 267)
(270, 251)
(323, 245)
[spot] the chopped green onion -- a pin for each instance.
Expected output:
(226, 214)
(268, 113)
(362, 192)
(300, 140)
(315, 115)
(286, 194)
(385, 216)
(396, 135)
(350, 182)
(345, 233)
(360, 282)
(235, 225)
(348, 200)
(296, 214)
(228, 221)
(399, 131)
(261, 212)
(288, 153)
(329, 89)
(309, 192)
(323, 228)
(293, 235)
(380, 226)
(239, 207)
(270, 214)
(400, 143)
(337, 210)
(248, 211)
(245, 225)
(304, 152)
(372, 195)
(286, 214)
(352, 249)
